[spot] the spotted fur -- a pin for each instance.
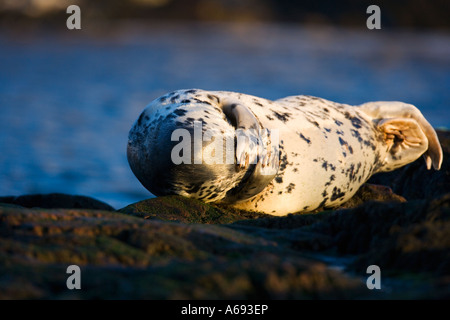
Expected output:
(327, 150)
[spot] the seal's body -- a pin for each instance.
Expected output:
(323, 153)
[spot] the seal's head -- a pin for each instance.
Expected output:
(213, 160)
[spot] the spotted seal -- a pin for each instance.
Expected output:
(323, 153)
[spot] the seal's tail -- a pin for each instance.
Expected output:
(407, 133)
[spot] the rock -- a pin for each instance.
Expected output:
(187, 210)
(292, 257)
(56, 200)
(414, 181)
(409, 241)
(371, 192)
(421, 244)
(126, 257)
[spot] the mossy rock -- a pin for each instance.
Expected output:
(372, 192)
(153, 259)
(56, 200)
(187, 210)
(414, 181)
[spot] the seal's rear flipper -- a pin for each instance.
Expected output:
(407, 134)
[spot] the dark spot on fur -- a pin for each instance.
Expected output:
(337, 193)
(269, 117)
(355, 133)
(201, 101)
(191, 91)
(332, 178)
(170, 116)
(281, 116)
(315, 123)
(185, 101)
(283, 162)
(290, 187)
(326, 164)
(323, 203)
(346, 145)
(278, 179)
(180, 112)
(173, 99)
(342, 142)
(139, 122)
(356, 122)
(305, 138)
(338, 122)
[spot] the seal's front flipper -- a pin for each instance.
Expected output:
(253, 143)
(407, 134)
(257, 152)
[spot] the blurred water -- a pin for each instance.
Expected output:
(68, 99)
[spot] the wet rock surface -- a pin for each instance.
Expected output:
(178, 248)
(414, 181)
(56, 200)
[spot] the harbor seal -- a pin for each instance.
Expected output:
(298, 154)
